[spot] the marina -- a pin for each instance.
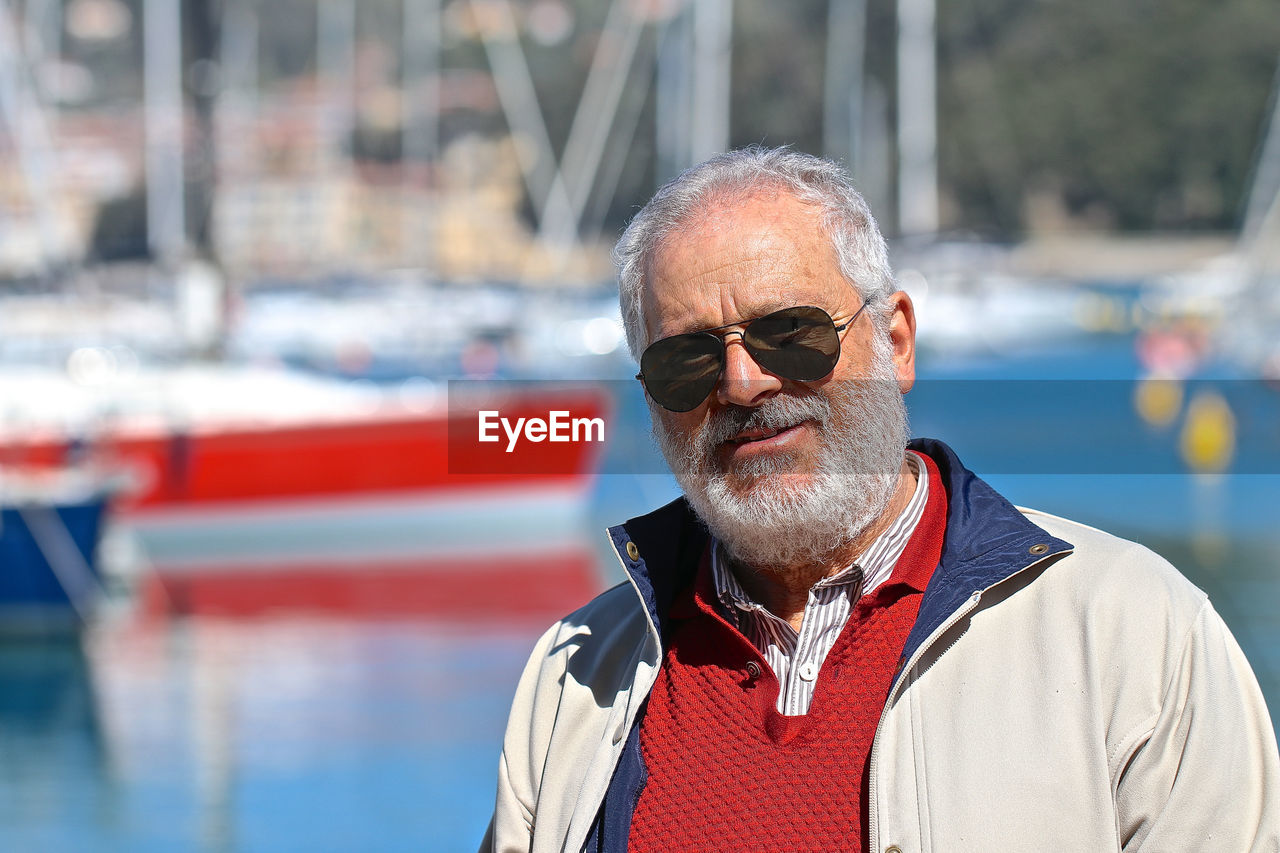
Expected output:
(267, 271)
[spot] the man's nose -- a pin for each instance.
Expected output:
(744, 383)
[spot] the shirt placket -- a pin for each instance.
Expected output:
(825, 616)
(798, 686)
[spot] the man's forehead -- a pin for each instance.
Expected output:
(747, 257)
(764, 211)
(774, 225)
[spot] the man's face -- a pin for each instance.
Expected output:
(777, 468)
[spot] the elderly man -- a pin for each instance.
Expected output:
(839, 640)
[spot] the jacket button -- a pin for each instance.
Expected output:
(632, 551)
(893, 848)
(1038, 549)
(753, 669)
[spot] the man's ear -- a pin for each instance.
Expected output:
(902, 337)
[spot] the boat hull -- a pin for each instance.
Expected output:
(49, 579)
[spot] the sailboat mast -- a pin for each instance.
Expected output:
(162, 80)
(673, 94)
(917, 118)
(1263, 206)
(712, 45)
(842, 92)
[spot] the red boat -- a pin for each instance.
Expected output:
(391, 509)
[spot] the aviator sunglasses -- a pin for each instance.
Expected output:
(801, 343)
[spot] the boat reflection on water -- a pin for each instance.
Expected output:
(50, 731)
(289, 733)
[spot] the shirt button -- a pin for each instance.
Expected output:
(809, 671)
(893, 848)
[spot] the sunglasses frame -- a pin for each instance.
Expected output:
(741, 333)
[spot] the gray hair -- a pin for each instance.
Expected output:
(736, 175)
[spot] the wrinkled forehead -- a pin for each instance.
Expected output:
(742, 260)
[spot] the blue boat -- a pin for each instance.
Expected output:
(49, 579)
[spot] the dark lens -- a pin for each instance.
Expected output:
(679, 372)
(794, 343)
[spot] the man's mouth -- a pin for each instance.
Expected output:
(751, 436)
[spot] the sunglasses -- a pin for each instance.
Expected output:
(801, 343)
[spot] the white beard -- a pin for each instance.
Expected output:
(770, 515)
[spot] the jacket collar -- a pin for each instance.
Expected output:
(660, 552)
(987, 541)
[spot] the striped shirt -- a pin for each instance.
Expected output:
(796, 656)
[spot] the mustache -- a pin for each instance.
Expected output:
(774, 413)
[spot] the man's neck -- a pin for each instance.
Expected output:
(785, 593)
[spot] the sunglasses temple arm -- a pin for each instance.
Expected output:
(847, 323)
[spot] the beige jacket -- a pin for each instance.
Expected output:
(1092, 700)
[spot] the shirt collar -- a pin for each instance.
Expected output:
(927, 506)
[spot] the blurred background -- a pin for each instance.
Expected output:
(245, 246)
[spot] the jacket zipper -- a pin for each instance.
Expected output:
(873, 828)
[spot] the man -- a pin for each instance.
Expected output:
(839, 641)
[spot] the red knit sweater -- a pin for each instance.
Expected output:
(726, 771)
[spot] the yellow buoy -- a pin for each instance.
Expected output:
(1209, 433)
(1157, 400)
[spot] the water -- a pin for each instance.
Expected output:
(299, 732)
(269, 735)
